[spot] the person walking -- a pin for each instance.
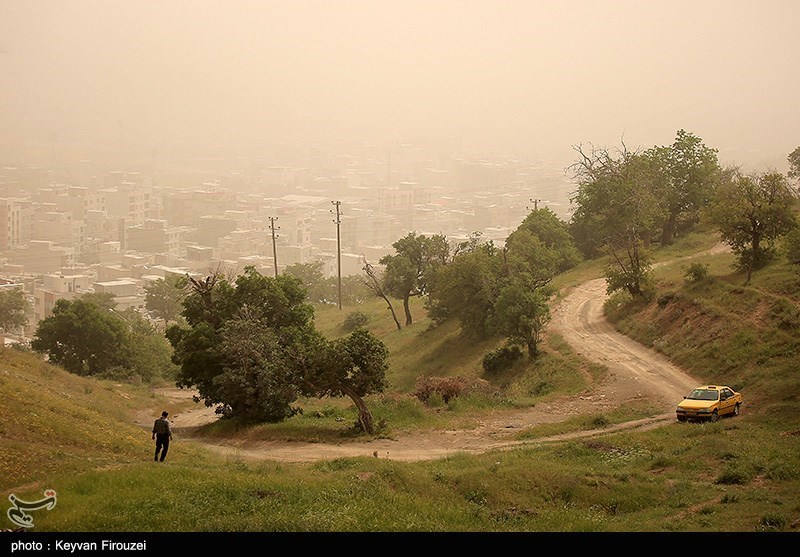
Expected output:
(162, 435)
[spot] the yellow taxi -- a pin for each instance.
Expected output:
(709, 402)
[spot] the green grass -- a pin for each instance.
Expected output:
(51, 420)
(725, 477)
(723, 331)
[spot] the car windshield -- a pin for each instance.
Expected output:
(704, 394)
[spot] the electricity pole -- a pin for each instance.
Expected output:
(338, 222)
(274, 249)
(535, 204)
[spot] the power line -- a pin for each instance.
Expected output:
(272, 227)
(338, 222)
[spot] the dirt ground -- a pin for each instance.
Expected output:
(634, 372)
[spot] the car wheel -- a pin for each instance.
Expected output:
(736, 410)
(714, 416)
(681, 418)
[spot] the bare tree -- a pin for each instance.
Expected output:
(375, 284)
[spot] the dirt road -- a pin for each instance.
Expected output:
(634, 371)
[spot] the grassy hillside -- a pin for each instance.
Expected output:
(727, 332)
(52, 421)
(736, 475)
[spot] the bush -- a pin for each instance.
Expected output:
(735, 475)
(502, 358)
(772, 522)
(695, 273)
(785, 314)
(437, 390)
(354, 320)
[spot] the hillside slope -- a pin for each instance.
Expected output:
(53, 421)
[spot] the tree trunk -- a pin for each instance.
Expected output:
(533, 349)
(394, 315)
(407, 309)
(668, 232)
(364, 415)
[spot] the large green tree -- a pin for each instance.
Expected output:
(685, 176)
(84, 338)
(250, 348)
(466, 288)
(617, 213)
(150, 352)
(752, 211)
(313, 280)
(407, 271)
(521, 313)
(164, 297)
(542, 246)
(792, 246)
(352, 366)
(13, 308)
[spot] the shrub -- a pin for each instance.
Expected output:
(438, 390)
(354, 320)
(785, 314)
(502, 358)
(772, 522)
(665, 298)
(735, 475)
(695, 273)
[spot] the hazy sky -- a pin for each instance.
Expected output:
(532, 76)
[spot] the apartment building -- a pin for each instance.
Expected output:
(16, 222)
(153, 236)
(42, 256)
(56, 287)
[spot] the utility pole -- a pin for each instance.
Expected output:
(274, 249)
(338, 222)
(535, 204)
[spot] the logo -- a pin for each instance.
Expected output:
(17, 513)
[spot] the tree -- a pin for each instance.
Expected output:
(150, 352)
(373, 280)
(466, 288)
(541, 247)
(256, 382)
(792, 246)
(164, 297)
(353, 366)
(250, 347)
(794, 164)
(686, 174)
(407, 270)
(313, 280)
(83, 338)
(213, 301)
(617, 213)
(521, 314)
(751, 212)
(104, 300)
(13, 309)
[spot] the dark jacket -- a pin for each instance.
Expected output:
(161, 427)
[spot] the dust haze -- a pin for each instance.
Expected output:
(134, 80)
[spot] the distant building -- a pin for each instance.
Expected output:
(57, 287)
(127, 293)
(153, 236)
(129, 201)
(42, 256)
(16, 222)
(59, 228)
(211, 228)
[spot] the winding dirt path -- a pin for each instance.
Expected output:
(635, 371)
